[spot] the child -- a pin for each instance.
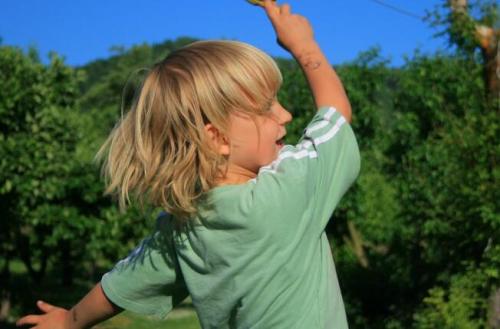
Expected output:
(243, 232)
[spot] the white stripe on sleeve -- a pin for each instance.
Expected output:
(303, 149)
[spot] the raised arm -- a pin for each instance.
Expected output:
(92, 309)
(295, 35)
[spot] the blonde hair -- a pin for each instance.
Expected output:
(158, 152)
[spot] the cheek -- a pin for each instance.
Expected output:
(245, 139)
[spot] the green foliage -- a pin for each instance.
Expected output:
(430, 91)
(37, 138)
(444, 146)
(461, 304)
(51, 195)
(451, 184)
(369, 84)
(425, 201)
(296, 98)
(453, 309)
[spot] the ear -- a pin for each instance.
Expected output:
(220, 142)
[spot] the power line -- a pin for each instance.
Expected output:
(399, 10)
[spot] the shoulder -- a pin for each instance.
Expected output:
(283, 186)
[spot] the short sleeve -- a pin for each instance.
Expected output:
(149, 280)
(308, 180)
(335, 160)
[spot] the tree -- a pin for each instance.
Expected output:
(37, 139)
(53, 209)
(472, 27)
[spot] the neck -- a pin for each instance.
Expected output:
(236, 175)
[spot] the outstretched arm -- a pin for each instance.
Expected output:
(295, 35)
(92, 309)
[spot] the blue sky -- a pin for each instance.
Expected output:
(84, 30)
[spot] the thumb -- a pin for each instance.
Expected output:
(45, 307)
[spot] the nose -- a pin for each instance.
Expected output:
(285, 116)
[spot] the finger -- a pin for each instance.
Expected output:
(28, 319)
(271, 9)
(45, 307)
(285, 9)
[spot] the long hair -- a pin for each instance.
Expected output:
(158, 152)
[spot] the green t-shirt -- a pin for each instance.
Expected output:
(258, 256)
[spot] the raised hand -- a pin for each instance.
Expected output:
(295, 34)
(293, 31)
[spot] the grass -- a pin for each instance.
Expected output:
(181, 318)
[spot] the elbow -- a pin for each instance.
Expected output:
(343, 107)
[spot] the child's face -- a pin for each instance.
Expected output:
(252, 148)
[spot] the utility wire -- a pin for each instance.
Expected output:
(399, 10)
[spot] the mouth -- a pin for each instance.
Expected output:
(280, 142)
